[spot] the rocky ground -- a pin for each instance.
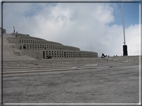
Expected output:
(109, 80)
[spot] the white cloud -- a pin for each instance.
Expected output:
(82, 25)
(133, 39)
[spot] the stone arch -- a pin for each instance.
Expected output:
(52, 53)
(33, 46)
(30, 46)
(44, 54)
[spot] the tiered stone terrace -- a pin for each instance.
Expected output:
(41, 49)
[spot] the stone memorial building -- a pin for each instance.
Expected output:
(42, 49)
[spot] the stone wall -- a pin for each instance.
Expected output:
(37, 54)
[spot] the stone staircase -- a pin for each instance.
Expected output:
(44, 65)
(10, 53)
(50, 65)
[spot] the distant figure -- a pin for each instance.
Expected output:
(20, 47)
(103, 55)
(14, 29)
(24, 46)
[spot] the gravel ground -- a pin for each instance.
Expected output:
(110, 82)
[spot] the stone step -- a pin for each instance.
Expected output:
(10, 52)
(44, 70)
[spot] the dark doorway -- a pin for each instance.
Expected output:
(44, 54)
(65, 54)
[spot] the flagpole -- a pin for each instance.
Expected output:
(123, 23)
(125, 53)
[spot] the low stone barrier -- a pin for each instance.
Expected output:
(129, 59)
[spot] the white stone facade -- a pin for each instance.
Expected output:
(40, 48)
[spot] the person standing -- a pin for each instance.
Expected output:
(13, 29)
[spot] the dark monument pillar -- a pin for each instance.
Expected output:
(125, 53)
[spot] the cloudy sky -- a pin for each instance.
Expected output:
(90, 26)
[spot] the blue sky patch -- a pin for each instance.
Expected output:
(131, 14)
